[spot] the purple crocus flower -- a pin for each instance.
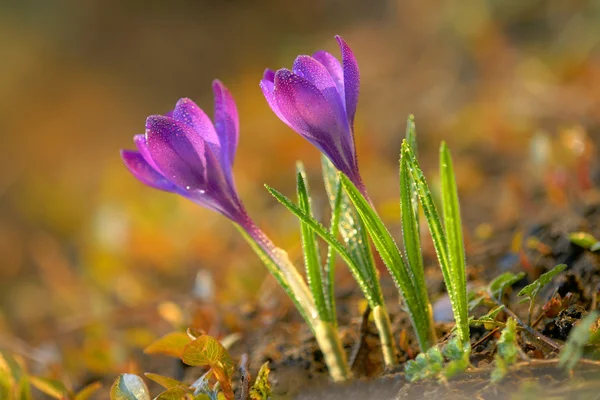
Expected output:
(317, 99)
(183, 152)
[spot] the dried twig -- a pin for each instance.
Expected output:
(245, 377)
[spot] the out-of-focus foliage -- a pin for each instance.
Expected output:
(172, 344)
(585, 240)
(261, 390)
(200, 351)
(16, 383)
(578, 339)
(129, 387)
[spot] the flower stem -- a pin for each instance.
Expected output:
(285, 267)
(333, 352)
(293, 283)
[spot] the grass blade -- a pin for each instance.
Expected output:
(454, 235)
(310, 249)
(391, 256)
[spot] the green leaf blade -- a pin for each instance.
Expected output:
(454, 236)
(392, 258)
(330, 264)
(410, 231)
(310, 249)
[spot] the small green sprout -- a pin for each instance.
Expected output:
(447, 239)
(531, 291)
(497, 286)
(507, 350)
(426, 365)
(431, 363)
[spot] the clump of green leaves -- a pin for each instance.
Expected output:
(197, 351)
(447, 238)
(405, 268)
(507, 350)
(579, 337)
(193, 350)
(444, 364)
(531, 291)
(355, 253)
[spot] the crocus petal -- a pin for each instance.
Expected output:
(189, 113)
(269, 75)
(142, 146)
(226, 121)
(267, 85)
(178, 151)
(351, 79)
(311, 115)
(304, 106)
(316, 73)
(144, 172)
(335, 70)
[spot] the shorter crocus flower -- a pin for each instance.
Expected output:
(183, 152)
(317, 98)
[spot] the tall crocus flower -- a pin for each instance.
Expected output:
(317, 98)
(183, 152)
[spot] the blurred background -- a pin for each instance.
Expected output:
(84, 246)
